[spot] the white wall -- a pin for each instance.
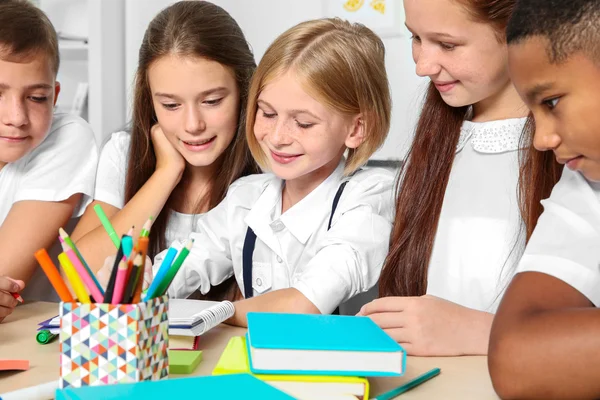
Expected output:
(263, 20)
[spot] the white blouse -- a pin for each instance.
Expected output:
(477, 244)
(566, 239)
(294, 249)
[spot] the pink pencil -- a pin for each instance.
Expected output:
(83, 274)
(120, 281)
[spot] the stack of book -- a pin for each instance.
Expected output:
(313, 356)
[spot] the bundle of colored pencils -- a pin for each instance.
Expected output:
(126, 278)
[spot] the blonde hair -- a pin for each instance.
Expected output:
(342, 65)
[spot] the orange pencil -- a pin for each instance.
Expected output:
(143, 249)
(53, 275)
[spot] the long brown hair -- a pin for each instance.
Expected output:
(538, 173)
(196, 29)
(423, 178)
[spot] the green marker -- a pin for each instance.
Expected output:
(44, 336)
(408, 385)
(164, 285)
(107, 226)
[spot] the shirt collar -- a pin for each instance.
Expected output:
(305, 217)
(492, 137)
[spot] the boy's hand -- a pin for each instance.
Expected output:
(167, 157)
(104, 272)
(7, 301)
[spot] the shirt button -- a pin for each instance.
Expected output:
(279, 260)
(277, 226)
(258, 282)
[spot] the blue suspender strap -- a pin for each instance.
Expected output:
(250, 243)
(247, 252)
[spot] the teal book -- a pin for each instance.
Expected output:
(240, 386)
(310, 344)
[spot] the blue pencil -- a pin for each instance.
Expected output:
(408, 385)
(162, 272)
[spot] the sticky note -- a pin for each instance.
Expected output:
(184, 361)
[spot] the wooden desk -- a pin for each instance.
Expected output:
(461, 377)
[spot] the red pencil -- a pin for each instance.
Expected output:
(18, 297)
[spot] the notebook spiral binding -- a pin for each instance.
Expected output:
(216, 314)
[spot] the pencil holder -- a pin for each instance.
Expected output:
(104, 343)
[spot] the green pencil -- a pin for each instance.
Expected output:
(164, 285)
(408, 385)
(112, 234)
(146, 228)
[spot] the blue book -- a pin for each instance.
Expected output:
(240, 386)
(311, 344)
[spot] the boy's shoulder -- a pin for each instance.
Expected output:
(70, 128)
(373, 176)
(254, 183)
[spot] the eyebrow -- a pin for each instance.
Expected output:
(4, 86)
(292, 112)
(436, 34)
(204, 93)
(535, 92)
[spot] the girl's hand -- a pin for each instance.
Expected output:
(7, 301)
(167, 157)
(430, 326)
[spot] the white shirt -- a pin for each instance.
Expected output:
(474, 250)
(295, 249)
(110, 185)
(566, 239)
(62, 165)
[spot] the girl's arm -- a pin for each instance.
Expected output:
(90, 236)
(283, 300)
(544, 341)
(29, 226)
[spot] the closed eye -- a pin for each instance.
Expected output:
(39, 99)
(267, 115)
(304, 126)
(447, 46)
(213, 102)
(170, 106)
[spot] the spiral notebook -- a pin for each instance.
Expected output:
(194, 317)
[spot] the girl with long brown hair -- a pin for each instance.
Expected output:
(314, 232)
(457, 229)
(186, 144)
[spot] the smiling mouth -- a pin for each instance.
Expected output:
(200, 142)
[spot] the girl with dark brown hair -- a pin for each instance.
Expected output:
(457, 229)
(186, 144)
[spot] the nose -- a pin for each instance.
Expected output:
(14, 112)
(545, 137)
(426, 61)
(194, 122)
(280, 136)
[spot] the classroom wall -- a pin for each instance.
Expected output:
(263, 20)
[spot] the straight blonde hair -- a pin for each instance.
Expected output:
(342, 65)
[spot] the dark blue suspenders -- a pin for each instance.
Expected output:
(250, 242)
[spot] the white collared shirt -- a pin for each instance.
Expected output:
(566, 240)
(295, 249)
(477, 241)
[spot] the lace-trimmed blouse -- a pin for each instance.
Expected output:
(477, 242)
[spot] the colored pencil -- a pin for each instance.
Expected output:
(146, 228)
(83, 274)
(131, 230)
(17, 297)
(67, 239)
(120, 282)
(132, 280)
(53, 275)
(127, 244)
(76, 284)
(164, 286)
(110, 287)
(112, 234)
(153, 290)
(143, 243)
(409, 385)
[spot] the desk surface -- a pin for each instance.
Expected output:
(461, 377)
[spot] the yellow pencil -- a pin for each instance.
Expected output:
(74, 279)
